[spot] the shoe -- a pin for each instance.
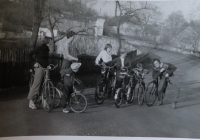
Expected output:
(65, 110)
(160, 103)
(174, 105)
(32, 105)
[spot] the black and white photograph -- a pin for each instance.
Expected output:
(96, 69)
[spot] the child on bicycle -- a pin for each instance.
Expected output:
(68, 89)
(105, 56)
(164, 71)
(141, 72)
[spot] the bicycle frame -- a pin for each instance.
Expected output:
(107, 74)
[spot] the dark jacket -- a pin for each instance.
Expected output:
(118, 63)
(169, 68)
(41, 55)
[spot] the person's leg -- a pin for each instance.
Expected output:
(34, 90)
(161, 86)
(65, 97)
(176, 85)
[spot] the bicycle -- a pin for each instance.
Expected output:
(105, 83)
(46, 92)
(151, 93)
(75, 99)
(125, 92)
(128, 91)
(140, 86)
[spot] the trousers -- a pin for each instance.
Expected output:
(175, 85)
(34, 90)
(67, 91)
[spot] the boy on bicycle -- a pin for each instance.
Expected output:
(164, 71)
(68, 89)
(121, 62)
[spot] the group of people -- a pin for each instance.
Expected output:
(44, 51)
(161, 70)
(42, 54)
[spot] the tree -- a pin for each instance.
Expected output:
(175, 22)
(66, 10)
(131, 12)
(149, 18)
(38, 8)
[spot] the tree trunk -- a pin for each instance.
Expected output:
(118, 35)
(115, 8)
(37, 19)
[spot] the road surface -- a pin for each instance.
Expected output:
(17, 119)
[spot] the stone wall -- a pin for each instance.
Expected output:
(92, 45)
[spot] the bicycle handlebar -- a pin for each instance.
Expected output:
(49, 67)
(104, 66)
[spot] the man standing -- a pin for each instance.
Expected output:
(165, 70)
(69, 51)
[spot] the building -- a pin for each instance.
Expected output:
(187, 39)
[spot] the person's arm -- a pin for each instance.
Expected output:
(155, 73)
(59, 38)
(55, 56)
(31, 53)
(98, 58)
(111, 63)
(171, 68)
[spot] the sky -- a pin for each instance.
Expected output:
(189, 8)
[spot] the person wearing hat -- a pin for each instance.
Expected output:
(120, 62)
(68, 89)
(42, 55)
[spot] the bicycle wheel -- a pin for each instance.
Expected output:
(140, 94)
(78, 102)
(48, 96)
(101, 91)
(151, 93)
(118, 97)
(78, 85)
(57, 97)
(130, 93)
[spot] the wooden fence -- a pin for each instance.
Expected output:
(14, 67)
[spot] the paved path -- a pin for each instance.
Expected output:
(17, 119)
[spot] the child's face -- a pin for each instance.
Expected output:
(108, 50)
(156, 64)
